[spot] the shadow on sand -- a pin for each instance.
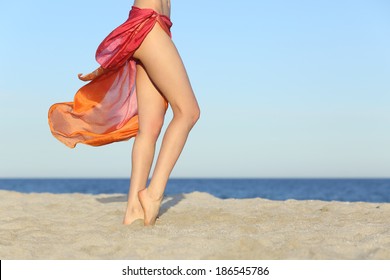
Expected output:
(168, 201)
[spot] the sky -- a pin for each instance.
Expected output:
(287, 89)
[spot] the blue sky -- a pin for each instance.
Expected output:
(286, 88)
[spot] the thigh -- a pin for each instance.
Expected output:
(151, 104)
(165, 68)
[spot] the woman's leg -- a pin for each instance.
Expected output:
(165, 68)
(151, 112)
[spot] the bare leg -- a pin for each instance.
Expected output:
(165, 68)
(151, 112)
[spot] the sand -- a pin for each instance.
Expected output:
(191, 226)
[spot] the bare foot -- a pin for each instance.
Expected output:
(151, 207)
(132, 215)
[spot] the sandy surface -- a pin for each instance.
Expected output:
(191, 226)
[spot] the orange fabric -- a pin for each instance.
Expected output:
(105, 110)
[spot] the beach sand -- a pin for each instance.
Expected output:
(191, 226)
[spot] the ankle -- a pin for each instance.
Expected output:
(134, 209)
(134, 205)
(155, 195)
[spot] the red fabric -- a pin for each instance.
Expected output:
(121, 44)
(105, 109)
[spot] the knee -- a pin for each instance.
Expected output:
(195, 115)
(151, 130)
(189, 115)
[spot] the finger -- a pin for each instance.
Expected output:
(85, 78)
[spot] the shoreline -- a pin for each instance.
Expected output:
(191, 226)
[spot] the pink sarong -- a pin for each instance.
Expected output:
(105, 110)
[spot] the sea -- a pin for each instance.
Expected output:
(347, 190)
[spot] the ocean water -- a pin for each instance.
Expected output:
(352, 190)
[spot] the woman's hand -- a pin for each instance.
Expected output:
(90, 76)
